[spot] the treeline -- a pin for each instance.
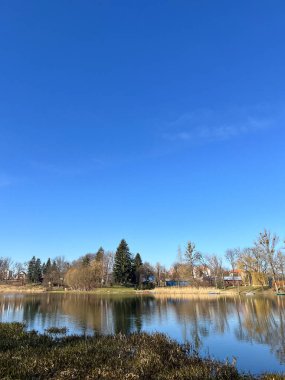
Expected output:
(261, 264)
(105, 268)
(50, 273)
(93, 270)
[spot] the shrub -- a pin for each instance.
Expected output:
(147, 285)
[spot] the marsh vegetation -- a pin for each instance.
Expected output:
(29, 355)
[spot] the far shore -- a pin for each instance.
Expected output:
(120, 290)
(230, 291)
(39, 289)
(4, 289)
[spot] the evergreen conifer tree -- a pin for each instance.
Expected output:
(100, 254)
(38, 271)
(54, 266)
(47, 267)
(35, 270)
(31, 269)
(86, 260)
(123, 264)
(137, 266)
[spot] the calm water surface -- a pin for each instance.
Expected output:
(252, 329)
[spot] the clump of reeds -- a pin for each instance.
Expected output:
(29, 355)
(185, 290)
(56, 330)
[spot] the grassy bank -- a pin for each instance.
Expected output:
(112, 290)
(28, 288)
(249, 289)
(191, 290)
(29, 355)
(121, 290)
(184, 290)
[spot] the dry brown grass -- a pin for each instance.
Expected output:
(21, 289)
(185, 290)
(140, 356)
(191, 290)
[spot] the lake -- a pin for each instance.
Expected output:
(251, 329)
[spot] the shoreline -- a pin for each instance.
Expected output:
(8, 289)
(118, 290)
(244, 291)
(38, 289)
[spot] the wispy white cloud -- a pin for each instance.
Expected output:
(212, 125)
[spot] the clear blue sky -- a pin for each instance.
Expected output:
(153, 121)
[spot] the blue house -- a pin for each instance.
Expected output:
(176, 283)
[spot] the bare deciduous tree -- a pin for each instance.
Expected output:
(232, 256)
(192, 256)
(266, 244)
(159, 274)
(5, 265)
(280, 263)
(108, 262)
(215, 264)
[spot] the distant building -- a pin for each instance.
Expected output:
(176, 283)
(22, 275)
(232, 280)
(8, 275)
(201, 272)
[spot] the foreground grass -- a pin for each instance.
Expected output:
(29, 355)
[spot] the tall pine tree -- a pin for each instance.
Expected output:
(35, 270)
(31, 269)
(46, 267)
(38, 271)
(86, 260)
(100, 254)
(123, 264)
(137, 268)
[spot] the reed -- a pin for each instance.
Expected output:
(28, 288)
(185, 290)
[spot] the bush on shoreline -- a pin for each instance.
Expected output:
(30, 355)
